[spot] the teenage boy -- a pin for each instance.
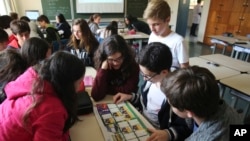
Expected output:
(194, 93)
(157, 14)
(21, 32)
(155, 61)
(50, 33)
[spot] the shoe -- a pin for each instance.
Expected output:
(193, 35)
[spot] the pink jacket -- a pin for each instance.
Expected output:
(46, 121)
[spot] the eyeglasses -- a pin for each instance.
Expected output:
(148, 78)
(118, 60)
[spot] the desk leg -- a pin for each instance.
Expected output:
(222, 90)
(140, 44)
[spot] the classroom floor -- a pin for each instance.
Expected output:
(196, 49)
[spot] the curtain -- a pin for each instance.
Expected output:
(12, 4)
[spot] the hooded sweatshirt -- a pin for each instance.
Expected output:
(45, 121)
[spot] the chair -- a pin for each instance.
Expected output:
(60, 44)
(246, 53)
(216, 42)
(237, 51)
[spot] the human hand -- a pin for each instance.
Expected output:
(121, 97)
(105, 65)
(158, 135)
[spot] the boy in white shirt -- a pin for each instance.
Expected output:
(157, 14)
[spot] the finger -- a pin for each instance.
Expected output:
(119, 101)
(151, 130)
(152, 138)
(116, 98)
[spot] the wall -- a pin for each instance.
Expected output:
(203, 22)
(174, 9)
(23, 5)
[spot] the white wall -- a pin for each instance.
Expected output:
(174, 10)
(23, 5)
(203, 22)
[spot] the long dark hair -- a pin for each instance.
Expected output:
(62, 69)
(11, 65)
(112, 44)
(34, 50)
(62, 19)
(113, 27)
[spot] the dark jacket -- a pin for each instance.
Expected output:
(141, 26)
(65, 27)
(178, 128)
(50, 34)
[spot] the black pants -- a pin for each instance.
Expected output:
(193, 29)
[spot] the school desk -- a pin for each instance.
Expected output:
(228, 62)
(219, 70)
(88, 128)
(240, 84)
(139, 36)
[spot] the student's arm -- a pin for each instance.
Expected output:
(99, 88)
(184, 65)
(182, 54)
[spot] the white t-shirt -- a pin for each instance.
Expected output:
(175, 42)
(155, 99)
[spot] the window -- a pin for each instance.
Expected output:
(3, 10)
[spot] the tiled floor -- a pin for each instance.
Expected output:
(197, 49)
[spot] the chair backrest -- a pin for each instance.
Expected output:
(247, 53)
(237, 50)
(215, 41)
(59, 45)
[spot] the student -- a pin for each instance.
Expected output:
(50, 33)
(134, 24)
(35, 50)
(93, 22)
(63, 26)
(41, 103)
(82, 43)
(157, 14)
(111, 29)
(4, 38)
(34, 30)
(5, 23)
(193, 93)
(14, 15)
(11, 66)
(196, 18)
(21, 32)
(117, 71)
(155, 61)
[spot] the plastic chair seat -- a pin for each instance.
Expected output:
(216, 42)
(247, 52)
(236, 50)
